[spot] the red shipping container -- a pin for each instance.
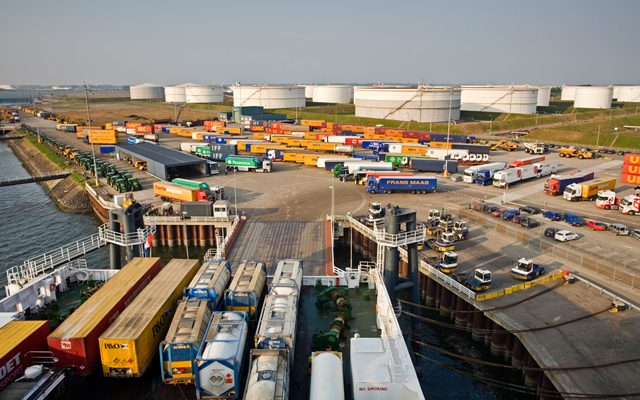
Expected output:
(18, 338)
(631, 179)
(631, 169)
(144, 129)
(632, 159)
(75, 341)
(132, 125)
(353, 141)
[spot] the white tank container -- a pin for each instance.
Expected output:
(203, 94)
(269, 97)
(421, 104)
(146, 91)
(228, 344)
(327, 381)
(340, 94)
(593, 97)
(544, 95)
(627, 94)
(513, 99)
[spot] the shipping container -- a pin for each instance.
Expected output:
(179, 349)
(168, 191)
(75, 342)
(221, 355)
(430, 165)
(197, 209)
(246, 288)
(210, 283)
(129, 344)
(404, 184)
(17, 338)
(276, 365)
(104, 136)
(107, 149)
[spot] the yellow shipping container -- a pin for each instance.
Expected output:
(128, 346)
(229, 129)
(103, 136)
(321, 146)
(314, 123)
(259, 135)
(311, 135)
(409, 140)
(290, 156)
(440, 145)
(108, 125)
(358, 128)
(310, 159)
(414, 149)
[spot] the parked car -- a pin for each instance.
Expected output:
(508, 215)
(530, 210)
(518, 218)
(635, 233)
(552, 215)
(565, 236)
(489, 208)
(497, 213)
(573, 219)
(619, 229)
(529, 223)
(595, 225)
(551, 232)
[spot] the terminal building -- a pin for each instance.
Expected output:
(162, 162)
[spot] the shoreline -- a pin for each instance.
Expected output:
(67, 194)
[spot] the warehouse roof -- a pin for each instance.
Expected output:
(160, 154)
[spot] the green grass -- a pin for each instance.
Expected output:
(56, 158)
(587, 133)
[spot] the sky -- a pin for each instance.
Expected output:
(328, 41)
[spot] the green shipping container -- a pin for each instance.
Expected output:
(203, 151)
(251, 162)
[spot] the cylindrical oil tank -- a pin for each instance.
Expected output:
(593, 97)
(628, 94)
(544, 95)
(146, 91)
(309, 90)
(175, 94)
(326, 377)
(203, 94)
(340, 94)
(513, 99)
(268, 97)
(219, 361)
(568, 92)
(616, 92)
(420, 104)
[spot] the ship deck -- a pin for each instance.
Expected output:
(312, 319)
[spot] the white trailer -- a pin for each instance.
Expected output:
(545, 168)
(454, 154)
(509, 176)
(321, 162)
(190, 147)
(353, 166)
(395, 148)
(339, 139)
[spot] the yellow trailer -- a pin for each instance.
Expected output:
(128, 346)
(290, 156)
(321, 146)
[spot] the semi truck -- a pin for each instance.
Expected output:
(430, 165)
(169, 191)
(328, 163)
(409, 184)
(470, 173)
(512, 175)
(361, 177)
(350, 167)
(588, 191)
(630, 205)
(536, 148)
(483, 175)
(453, 154)
(557, 183)
(608, 200)
(248, 163)
(400, 160)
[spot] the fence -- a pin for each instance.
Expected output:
(612, 271)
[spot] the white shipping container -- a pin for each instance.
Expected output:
(370, 165)
(321, 161)
(343, 148)
(189, 147)
(395, 148)
(130, 131)
(514, 175)
(546, 168)
(440, 154)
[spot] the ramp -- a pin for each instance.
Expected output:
(270, 241)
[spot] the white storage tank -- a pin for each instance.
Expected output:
(628, 94)
(175, 94)
(268, 97)
(309, 90)
(544, 95)
(593, 97)
(616, 92)
(327, 381)
(513, 99)
(203, 94)
(420, 104)
(146, 91)
(568, 92)
(339, 94)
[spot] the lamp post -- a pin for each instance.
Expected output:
(93, 149)
(446, 157)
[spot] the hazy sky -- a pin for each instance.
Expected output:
(474, 41)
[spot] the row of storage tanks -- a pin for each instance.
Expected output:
(195, 316)
(599, 96)
(185, 93)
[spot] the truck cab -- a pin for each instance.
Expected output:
(572, 191)
(630, 205)
(607, 199)
(479, 281)
(526, 270)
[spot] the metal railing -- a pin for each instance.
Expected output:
(40, 265)
(389, 239)
(104, 203)
(126, 239)
(178, 219)
(211, 254)
(613, 296)
(447, 280)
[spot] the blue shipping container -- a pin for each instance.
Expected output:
(275, 154)
(132, 140)
(107, 149)
(427, 165)
(442, 137)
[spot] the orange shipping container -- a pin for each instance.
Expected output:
(631, 169)
(132, 125)
(440, 145)
(631, 179)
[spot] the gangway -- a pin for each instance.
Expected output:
(34, 178)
